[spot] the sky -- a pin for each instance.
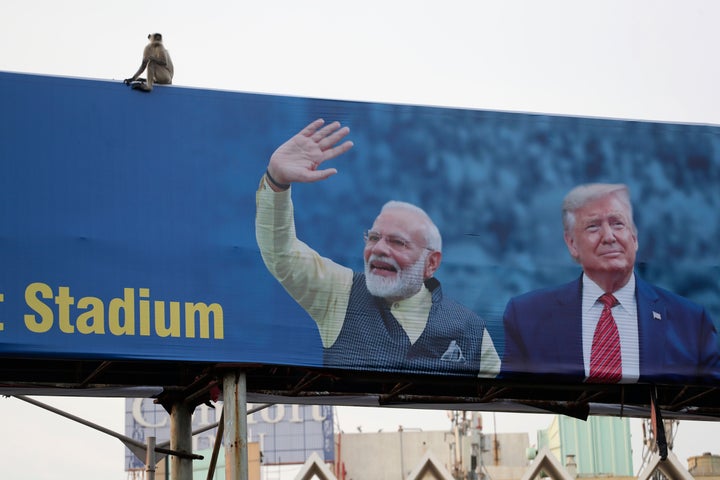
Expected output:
(645, 60)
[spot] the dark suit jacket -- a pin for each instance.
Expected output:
(543, 336)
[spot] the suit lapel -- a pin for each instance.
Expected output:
(651, 314)
(569, 331)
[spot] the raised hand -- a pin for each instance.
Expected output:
(298, 159)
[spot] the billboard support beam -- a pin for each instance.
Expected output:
(218, 439)
(216, 446)
(181, 440)
(132, 444)
(150, 459)
(235, 428)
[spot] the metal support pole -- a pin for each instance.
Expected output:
(181, 439)
(216, 447)
(150, 460)
(235, 429)
(138, 448)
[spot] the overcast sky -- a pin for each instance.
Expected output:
(639, 59)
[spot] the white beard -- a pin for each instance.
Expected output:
(404, 285)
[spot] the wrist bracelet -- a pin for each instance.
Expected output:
(281, 186)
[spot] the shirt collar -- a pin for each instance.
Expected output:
(624, 296)
(419, 300)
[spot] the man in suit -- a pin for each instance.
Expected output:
(550, 334)
(391, 317)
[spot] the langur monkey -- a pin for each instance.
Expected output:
(156, 59)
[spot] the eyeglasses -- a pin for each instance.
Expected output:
(395, 242)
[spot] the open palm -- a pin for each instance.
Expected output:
(298, 159)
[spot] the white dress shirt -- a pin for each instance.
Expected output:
(625, 315)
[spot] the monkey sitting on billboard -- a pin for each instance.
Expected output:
(156, 59)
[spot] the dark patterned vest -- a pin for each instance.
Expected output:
(372, 339)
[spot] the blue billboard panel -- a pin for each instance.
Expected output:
(210, 226)
(285, 434)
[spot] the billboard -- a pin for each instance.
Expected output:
(157, 228)
(285, 433)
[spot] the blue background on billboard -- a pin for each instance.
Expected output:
(105, 188)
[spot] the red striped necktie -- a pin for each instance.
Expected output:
(605, 357)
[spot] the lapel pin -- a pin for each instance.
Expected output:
(657, 316)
